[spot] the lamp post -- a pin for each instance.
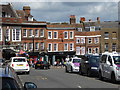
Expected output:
(33, 42)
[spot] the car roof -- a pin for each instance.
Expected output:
(7, 71)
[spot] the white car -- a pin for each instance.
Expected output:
(109, 66)
(73, 65)
(20, 64)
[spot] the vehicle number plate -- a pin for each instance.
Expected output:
(38, 64)
(20, 65)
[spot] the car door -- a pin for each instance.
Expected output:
(108, 67)
(68, 65)
(103, 65)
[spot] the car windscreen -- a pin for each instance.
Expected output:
(76, 60)
(94, 59)
(8, 84)
(19, 60)
(116, 59)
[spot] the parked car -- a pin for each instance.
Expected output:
(20, 64)
(110, 66)
(42, 65)
(73, 65)
(89, 65)
(10, 80)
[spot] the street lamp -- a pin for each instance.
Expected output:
(33, 42)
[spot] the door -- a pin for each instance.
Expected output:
(103, 65)
(108, 67)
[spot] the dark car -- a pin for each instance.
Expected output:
(42, 65)
(89, 65)
(10, 81)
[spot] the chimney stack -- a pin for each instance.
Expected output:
(82, 19)
(72, 19)
(98, 20)
(90, 20)
(26, 9)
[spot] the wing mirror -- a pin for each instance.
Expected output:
(29, 85)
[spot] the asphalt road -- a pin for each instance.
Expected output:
(58, 78)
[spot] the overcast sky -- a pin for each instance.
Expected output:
(60, 11)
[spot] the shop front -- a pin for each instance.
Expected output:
(59, 56)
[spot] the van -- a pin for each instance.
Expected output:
(109, 66)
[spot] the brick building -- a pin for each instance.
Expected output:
(20, 29)
(110, 36)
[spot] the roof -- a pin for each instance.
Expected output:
(7, 8)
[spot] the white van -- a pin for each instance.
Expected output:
(20, 64)
(109, 66)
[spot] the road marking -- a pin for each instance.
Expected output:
(79, 87)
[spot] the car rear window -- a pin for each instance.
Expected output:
(19, 60)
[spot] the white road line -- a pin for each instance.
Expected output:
(79, 87)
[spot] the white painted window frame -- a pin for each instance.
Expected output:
(89, 40)
(67, 47)
(89, 50)
(72, 34)
(25, 32)
(15, 36)
(72, 49)
(50, 47)
(64, 34)
(48, 34)
(56, 34)
(31, 32)
(56, 47)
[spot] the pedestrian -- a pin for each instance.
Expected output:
(55, 64)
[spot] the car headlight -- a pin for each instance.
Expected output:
(94, 68)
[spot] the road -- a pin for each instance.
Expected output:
(58, 78)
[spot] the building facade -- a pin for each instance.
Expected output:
(110, 37)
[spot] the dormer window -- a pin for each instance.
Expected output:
(30, 18)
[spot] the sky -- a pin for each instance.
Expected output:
(60, 11)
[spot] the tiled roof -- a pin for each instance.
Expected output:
(21, 13)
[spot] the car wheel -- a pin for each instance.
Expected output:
(28, 72)
(35, 67)
(100, 75)
(113, 79)
(80, 71)
(88, 73)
